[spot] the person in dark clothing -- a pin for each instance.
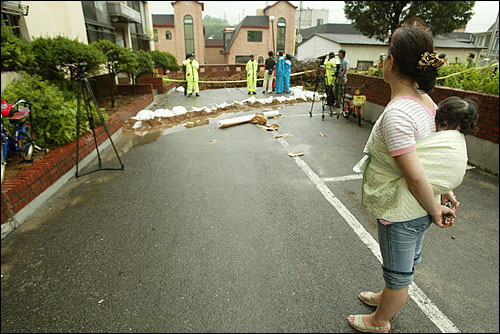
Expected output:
(267, 85)
(184, 71)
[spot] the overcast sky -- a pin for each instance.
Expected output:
(485, 12)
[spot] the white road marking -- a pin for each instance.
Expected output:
(422, 301)
(343, 178)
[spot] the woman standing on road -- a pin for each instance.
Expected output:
(396, 188)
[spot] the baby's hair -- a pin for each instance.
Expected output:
(455, 113)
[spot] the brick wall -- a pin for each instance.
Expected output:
(139, 89)
(379, 92)
(157, 83)
(19, 190)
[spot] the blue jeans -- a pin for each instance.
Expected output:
(401, 247)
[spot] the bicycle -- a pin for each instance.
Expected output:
(353, 104)
(19, 115)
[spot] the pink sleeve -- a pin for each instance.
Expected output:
(399, 132)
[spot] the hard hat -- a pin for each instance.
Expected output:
(331, 54)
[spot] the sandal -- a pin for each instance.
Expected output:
(360, 326)
(366, 297)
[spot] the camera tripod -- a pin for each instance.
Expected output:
(326, 101)
(84, 90)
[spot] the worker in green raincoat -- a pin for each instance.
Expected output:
(251, 69)
(192, 67)
(330, 67)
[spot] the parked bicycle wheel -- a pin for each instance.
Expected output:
(346, 111)
(25, 142)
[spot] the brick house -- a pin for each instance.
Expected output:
(214, 51)
(183, 31)
(259, 34)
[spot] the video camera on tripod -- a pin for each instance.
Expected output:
(86, 97)
(77, 71)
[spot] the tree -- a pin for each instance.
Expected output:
(214, 26)
(134, 63)
(16, 52)
(164, 60)
(379, 19)
(50, 55)
(112, 52)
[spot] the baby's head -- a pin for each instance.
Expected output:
(455, 113)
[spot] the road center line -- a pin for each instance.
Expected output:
(418, 296)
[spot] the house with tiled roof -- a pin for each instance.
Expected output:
(362, 51)
(182, 32)
(271, 30)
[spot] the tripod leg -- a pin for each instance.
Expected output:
(78, 124)
(103, 122)
(314, 94)
(90, 117)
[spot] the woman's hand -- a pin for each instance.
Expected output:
(445, 217)
(450, 197)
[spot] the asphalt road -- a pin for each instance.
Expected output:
(233, 235)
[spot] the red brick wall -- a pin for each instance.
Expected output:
(156, 82)
(379, 92)
(139, 89)
(19, 190)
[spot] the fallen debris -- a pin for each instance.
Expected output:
(213, 141)
(293, 155)
(244, 119)
(322, 134)
(272, 127)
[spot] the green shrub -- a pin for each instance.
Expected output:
(16, 53)
(479, 80)
(52, 53)
(54, 116)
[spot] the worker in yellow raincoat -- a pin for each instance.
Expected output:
(330, 67)
(252, 68)
(192, 67)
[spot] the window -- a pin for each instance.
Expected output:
(261, 60)
(189, 33)
(97, 21)
(168, 34)
(319, 22)
(281, 35)
(242, 59)
(364, 65)
(97, 32)
(155, 34)
(254, 36)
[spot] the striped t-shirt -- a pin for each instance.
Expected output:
(404, 121)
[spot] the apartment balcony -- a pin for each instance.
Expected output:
(121, 13)
(14, 8)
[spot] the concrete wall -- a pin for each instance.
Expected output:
(8, 77)
(54, 18)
